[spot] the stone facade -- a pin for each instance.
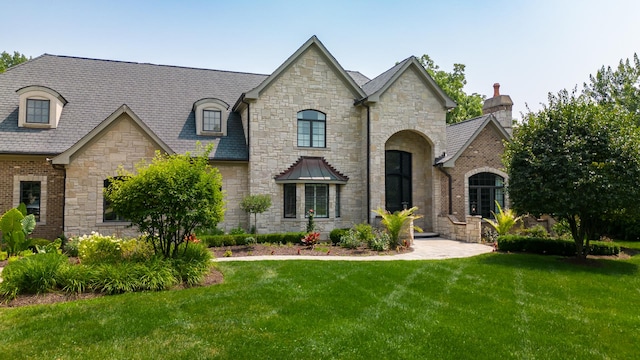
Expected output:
(122, 143)
(14, 169)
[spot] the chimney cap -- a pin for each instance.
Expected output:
(496, 89)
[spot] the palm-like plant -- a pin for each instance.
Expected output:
(398, 223)
(505, 220)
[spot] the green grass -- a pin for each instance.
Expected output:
(495, 306)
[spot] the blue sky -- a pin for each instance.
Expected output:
(529, 47)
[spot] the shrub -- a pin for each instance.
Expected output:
(3, 255)
(310, 239)
(563, 247)
(192, 264)
(74, 279)
(138, 249)
(398, 223)
(96, 249)
(350, 240)
(504, 220)
(230, 240)
(34, 242)
(537, 231)
(364, 232)
(380, 242)
(117, 278)
(71, 246)
(209, 231)
(31, 275)
(336, 234)
(237, 231)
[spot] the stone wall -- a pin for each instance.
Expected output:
(309, 83)
(408, 104)
(16, 168)
(235, 185)
(469, 230)
(121, 143)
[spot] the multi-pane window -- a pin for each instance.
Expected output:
(311, 129)
(398, 187)
(37, 111)
(289, 200)
(485, 189)
(30, 196)
(316, 197)
(212, 120)
(107, 210)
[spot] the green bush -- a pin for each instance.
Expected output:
(3, 255)
(230, 240)
(74, 279)
(34, 242)
(563, 247)
(350, 240)
(98, 249)
(192, 264)
(364, 232)
(71, 246)
(336, 234)
(537, 231)
(237, 231)
(117, 278)
(380, 242)
(31, 275)
(138, 249)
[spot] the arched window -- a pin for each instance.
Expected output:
(485, 189)
(311, 129)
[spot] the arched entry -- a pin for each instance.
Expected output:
(398, 187)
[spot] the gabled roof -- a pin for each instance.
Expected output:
(65, 157)
(376, 87)
(461, 135)
(311, 169)
(312, 42)
(161, 96)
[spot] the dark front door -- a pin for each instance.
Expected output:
(397, 180)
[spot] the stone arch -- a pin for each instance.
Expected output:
(484, 169)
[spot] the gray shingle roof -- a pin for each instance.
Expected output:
(358, 77)
(459, 135)
(379, 81)
(161, 96)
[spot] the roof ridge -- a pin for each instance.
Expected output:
(149, 64)
(22, 63)
(469, 120)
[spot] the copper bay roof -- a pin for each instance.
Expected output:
(311, 169)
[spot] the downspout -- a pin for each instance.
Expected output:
(439, 167)
(248, 127)
(368, 163)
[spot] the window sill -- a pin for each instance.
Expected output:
(211, 133)
(312, 148)
(38, 125)
(112, 223)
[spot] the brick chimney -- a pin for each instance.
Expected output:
(500, 106)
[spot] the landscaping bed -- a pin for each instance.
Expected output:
(296, 249)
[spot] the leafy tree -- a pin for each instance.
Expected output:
(169, 198)
(618, 87)
(7, 60)
(575, 160)
(452, 84)
(397, 223)
(256, 204)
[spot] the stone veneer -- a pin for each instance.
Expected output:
(16, 168)
(122, 143)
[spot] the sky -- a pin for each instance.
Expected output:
(530, 47)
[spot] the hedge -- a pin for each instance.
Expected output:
(336, 235)
(230, 240)
(518, 243)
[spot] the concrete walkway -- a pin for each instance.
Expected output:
(427, 249)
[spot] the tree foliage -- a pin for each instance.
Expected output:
(169, 198)
(256, 204)
(7, 60)
(575, 160)
(618, 87)
(452, 84)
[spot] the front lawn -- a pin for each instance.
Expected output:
(494, 306)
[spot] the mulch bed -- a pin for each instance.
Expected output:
(319, 250)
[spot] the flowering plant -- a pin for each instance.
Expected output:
(191, 238)
(311, 226)
(311, 238)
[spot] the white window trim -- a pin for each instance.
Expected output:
(43, 194)
(215, 105)
(56, 103)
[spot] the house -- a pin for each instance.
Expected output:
(310, 134)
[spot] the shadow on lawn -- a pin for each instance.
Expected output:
(559, 263)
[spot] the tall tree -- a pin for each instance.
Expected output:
(7, 60)
(618, 87)
(452, 84)
(575, 160)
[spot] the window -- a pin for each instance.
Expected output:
(484, 190)
(211, 120)
(311, 129)
(30, 196)
(289, 200)
(338, 190)
(37, 111)
(316, 197)
(108, 215)
(398, 188)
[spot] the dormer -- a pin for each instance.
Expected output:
(40, 107)
(211, 117)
